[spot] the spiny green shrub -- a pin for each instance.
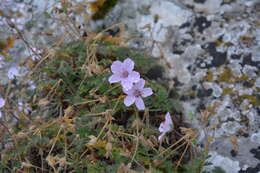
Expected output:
(79, 122)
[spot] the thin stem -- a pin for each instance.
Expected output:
(55, 141)
(65, 148)
(85, 102)
(182, 155)
(12, 25)
(100, 133)
(183, 138)
(171, 152)
(137, 136)
(114, 87)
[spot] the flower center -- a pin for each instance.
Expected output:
(125, 74)
(137, 93)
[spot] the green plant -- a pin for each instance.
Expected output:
(79, 121)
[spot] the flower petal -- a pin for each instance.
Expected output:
(12, 72)
(114, 78)
(139, 103)
(168, 119)
(162, 127)
(167, 124)
(126, 84)
(147, 92)
(129, 92)
(2, 102)
(129, 100)
(161, 136)
(140, 84)
(116, 67)
(134, 76)
(128, 64)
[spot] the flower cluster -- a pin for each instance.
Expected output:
(133, 86)
(24, 107)
(131, 82)
(35, 53)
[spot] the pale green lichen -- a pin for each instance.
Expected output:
(252, 99)
(226, 76)
(227, 91)
(209, 76)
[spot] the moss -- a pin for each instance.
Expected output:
(246, 38)
(228, 44)
(252, 99)
(226, 76)
(227, 91)
(246, 107)
(6, 44)
(103, 8)
(257, 23)
(241, 78)
(192, 94)
(249, 83)
(156, 18)
(218, 42)
(244, 120)
(209, 77)
(211, 109)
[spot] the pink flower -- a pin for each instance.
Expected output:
(24, 107)
(2, 102)
(165, 126)
(135, 94)
(37, 55)
(12, 72)
(123, 72)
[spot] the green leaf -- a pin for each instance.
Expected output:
(46, 14)
(218, 170)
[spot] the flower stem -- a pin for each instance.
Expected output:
(137, 135)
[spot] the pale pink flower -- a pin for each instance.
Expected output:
(37, 55)
(2, 102)
(12, 72)
(24, 107)
(123, 72)
(135, 94)
(165, 126)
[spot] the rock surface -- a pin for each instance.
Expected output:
(212, 48)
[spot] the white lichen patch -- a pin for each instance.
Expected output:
(230, 127)
(169, 14)
(225, 163)
(217, 90)
(257, 83)
(255, 137)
